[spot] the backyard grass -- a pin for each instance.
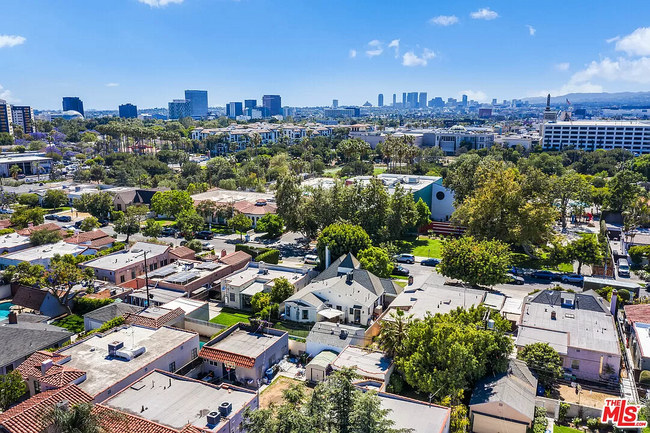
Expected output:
(524, 261)
(564, 429)
(421, 247)
(229, 317)
(73, 323)
(379, 170)
(293, 329)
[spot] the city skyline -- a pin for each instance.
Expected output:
(152, 50)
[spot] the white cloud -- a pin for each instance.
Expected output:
(352, 54)
(614, 39)
(561, 66)
(531, 30)
(621, 69)
(395, 44)
(484, 14)
(412, 59)
(159, 3)
(112, 84)
(376, 48)
(636, 43)
(472, 95)
(11, 40)
(7, 96)
(444, 20)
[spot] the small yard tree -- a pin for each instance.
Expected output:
(152, 228)
(271, 224)
(281, 290)
(544, 361)
(42, 237)
(585, 250)
(239, 223)
(476, 262)
(12, 387)
(377, 261)
(89, 224)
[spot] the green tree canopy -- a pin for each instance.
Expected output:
(42, 237)
(271, 224)
(29, 200)
(377, 261)
(282, 289)
(239, 223)
(129, 223)
(98, 205)
(152, 228)
(54, 198)
(90, 223)
(189, 222)
(171, 203)
(475, 262)
(342, 238)
(544, 361)
(23, 216)
(12, 387)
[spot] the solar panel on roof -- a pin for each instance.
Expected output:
(183, 277)
(162, 272)
(208, 266)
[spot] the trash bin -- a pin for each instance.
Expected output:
(410, 280)
(247, 238)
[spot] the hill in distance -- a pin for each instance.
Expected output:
(621, 98)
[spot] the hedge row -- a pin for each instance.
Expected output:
(266, 255)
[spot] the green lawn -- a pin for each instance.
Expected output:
(229, 317)
(293, 329)
(73, 323)
(379, 170)
(422, 247)
(564, 429)
(402, 283)
(523, 261)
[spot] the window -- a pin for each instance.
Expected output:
(232, 297)
(351, 310)
(172, 367)
(575, 364)
(133, 274)
(121, 278)
(194, 353)
(338, 307)
(37, 386)
(305, 314)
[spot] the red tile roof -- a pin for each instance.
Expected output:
(27, 416)
(637, 313)
(153, 323)
(31, 367)
(213, 354)
(5, 223)
(116, 421)
(48, 226)
(236, 258)
(96, 238)
(249, 208)
(183, 253)
(59, 376)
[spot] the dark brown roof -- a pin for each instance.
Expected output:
(183, 253)
(29, 297)
(236, 258)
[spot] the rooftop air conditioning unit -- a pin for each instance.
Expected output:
(114, 347)
(214, 418)
(225, 408)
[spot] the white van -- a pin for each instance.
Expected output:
(623, 268)
(311, 259)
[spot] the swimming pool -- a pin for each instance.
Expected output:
(4, 309)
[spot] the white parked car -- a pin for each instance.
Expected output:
(573, 279)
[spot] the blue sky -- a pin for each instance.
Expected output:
(311, 51)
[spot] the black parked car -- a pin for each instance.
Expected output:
(204, 234)
(168, 231)
(64, 218)
(50, 217)
(544, 275)
(400, 271)
(430, 262)
(103, 222)
(514, 279)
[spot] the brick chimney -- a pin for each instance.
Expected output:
(13, 318)
(223, 254)
(45, 365)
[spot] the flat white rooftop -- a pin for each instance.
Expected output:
(185, 304)
(175, 401)
(45, 252)
(13, 240)
(24, 158)
(246, 343)
(367, 363)
(102, 371)
(643, 337)
(249, 274)
(600, 123)
(436, 299)
(121, 259)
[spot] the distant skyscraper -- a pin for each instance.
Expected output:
(380, 100)
(412, 100)
(199, 102)
(335, 103)
(180, 108)
(234, 109)
(5, 117)
(404, 100)
(73, 103)
(128, 111)
(394, 99)
(494, 101)
(273, 103)
(464, 100)
(423, 100)
(23, 116)
(250, 103)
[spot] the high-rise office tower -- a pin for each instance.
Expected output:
(380, 100)
(128, 111)
(199, 103)
(180, 108)
(73, 103)
(234, 109)
(5, 117)
(412, 100)
(394, 99)
(335, 103)
(23, 116)
(250, 103)
(273, 103)
(494, 101)
(423, 100)
(464, 100)
(404, 100)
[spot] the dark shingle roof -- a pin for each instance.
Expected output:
(583, 301)
(111, 311)
(516, 388)
(29, 297)
(22, 339)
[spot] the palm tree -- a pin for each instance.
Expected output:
(14, 170)
(37, 167)
(78, 418)
(394, 331)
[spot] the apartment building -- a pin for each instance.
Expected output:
(592, 135)
(126, 265)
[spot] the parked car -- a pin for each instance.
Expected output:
(8, 210)
(573, 279)
(311, 259)
(404, 258)
(401, 271)
(77, 224)
(168, 231)
(430, 262)
(64, 218)
(183, 243)
(544, 275)
(103, 222)
(204, 234)
(512, 270)
(623, 268)
(515, 279)
(50, 217)
(207, 246)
